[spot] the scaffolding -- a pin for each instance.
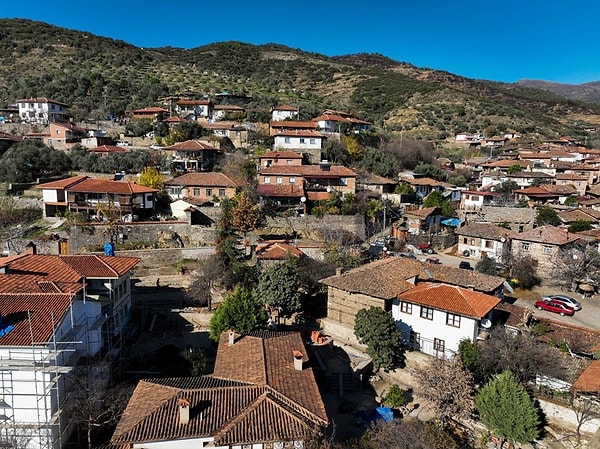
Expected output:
(33, 385)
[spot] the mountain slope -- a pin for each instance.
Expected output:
(587, 92)
(100, 76)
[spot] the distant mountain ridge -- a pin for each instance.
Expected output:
(586, 92)
(100, 76)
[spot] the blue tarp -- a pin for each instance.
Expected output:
(454, 222)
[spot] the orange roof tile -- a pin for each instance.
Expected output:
(276, 250)
(314, 171)
(91, 185)
(192, 145)
(589, 380)
(63, 183)
(451, 298)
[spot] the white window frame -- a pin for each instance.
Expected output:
(267, 180)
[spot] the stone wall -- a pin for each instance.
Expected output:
(311, 227)
(164, 261)
(342, 306)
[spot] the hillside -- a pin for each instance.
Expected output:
(99, 76)
(587, 92)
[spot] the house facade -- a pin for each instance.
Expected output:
(478, 239)
(284, 112)
(41, 110)
(261, 395)
(194, 108)
(55, 310)
(193, 155)
(202, 187)
(434, 318)
(309, 142)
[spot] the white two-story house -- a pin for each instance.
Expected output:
(434, 317)
(477, 239)
(41, 110)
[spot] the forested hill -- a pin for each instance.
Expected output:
(99, 76)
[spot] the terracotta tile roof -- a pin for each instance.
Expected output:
(424, 182)
(223, 126)
(32, 315)
(546, 234)
(299, 132)
(280, 190)
(569, 216)
(484, 230)
(570, 177)
(24, 283)
(209, 179)
(293, 124)
(372, 179)
(192, 145)
(589, 380)
(91, 185)
(276, 250)
(536, 192)
(285, 107)
(228, 107)
(95, 266)
(568, 189)
(40, 100)
(318, 195)
(150, 109)
(389, 277)
(260, 398)
(424, 212)
(63, 183)
(314, 171)
(281, 155)
(450, 298)
(192, 102)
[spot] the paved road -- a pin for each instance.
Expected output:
(588, 316)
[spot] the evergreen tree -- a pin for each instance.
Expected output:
(486, 265)
(241, 311)
(506, 409)
(376, 329)
(546, 215)
(279, 286)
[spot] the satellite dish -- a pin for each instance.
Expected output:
(303, 199)
(486, 324)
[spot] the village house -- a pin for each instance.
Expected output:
(284, 112)
(228, 112)
(194, 109)
(579, 181)
(517, 219)
(543, 244)
(423, 220)
(435, 318)
(308, 142)
(477, 239)
(107, 150)
(202, 187)
(276, 127)
(193, 155)
(94, 196)
(55, 311)
(236, 133)
(262, 394)
(269, 252)
(379, 283)
(473, 200)
(64, 135)
(278, 158)
(376, 184)
(335, 122)
(155, 114)
(42, 110)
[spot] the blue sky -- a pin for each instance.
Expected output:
(505, 40)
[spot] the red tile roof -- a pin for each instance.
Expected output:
(589, 380)
(254, 395)
(451, 298)
(285, 107)
(546, 234)
(40, 100)
(32, 315)
(191, 145)
(63, 183)
(280, 190)
(294, 124)
(109, 149)
(209, 179)
(192, 102)
(311, 171)
(91, 185)
(24, 283)
(276, 250)
(150, 109)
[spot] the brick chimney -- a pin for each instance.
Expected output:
(184, 410)
(298, 356)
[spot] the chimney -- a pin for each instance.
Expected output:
(184, 410)
(324, 165)
(30, 248)
(231, 337)
(298, 356)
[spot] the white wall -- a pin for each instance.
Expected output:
(295, 143)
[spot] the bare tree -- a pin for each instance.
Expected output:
(410, 152)
(93, 403)
(407, 433)
(448, 386)
(585, 409)
(575, 264)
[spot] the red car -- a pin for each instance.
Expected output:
(554, 306)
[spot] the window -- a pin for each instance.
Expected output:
(221, 193)
(439, 345)
(427, 313)
(343, 181)
(453, 320)
(279, 180)
(489, 243)
(465, 240)
(405, 307)
(209, 192)
(525, 246)
(302, 139)
(286, 139)
(196, 192)
(292, 180)
(313, 141)
(267, 180)
(288, 162)
(547, 249)
(414, 337)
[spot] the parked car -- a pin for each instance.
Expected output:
(433, 260)
(554, 306)
(465, 265)
(426, 248)
(567, 300)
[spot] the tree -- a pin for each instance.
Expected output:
(486, 265)
(520, 354)
(521, 267)
(575, 263)
(246, 214)
(31, 159)
(431, 171)
(585, 409)
(470, 357)
(513, 169)
(151, 177)
(93, 404)
(279, 286)
(436, 199)
(353, 148)
(376, 329)
(394, 396)
(448, 386)
(406, 433)
(546, 215)
(506, 409)
(241, 311)
(507, 189)
(580, 225)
